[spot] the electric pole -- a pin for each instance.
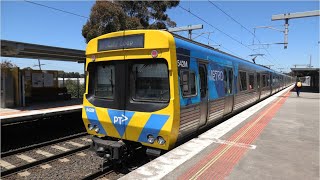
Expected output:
(288, 16)
(39, 64)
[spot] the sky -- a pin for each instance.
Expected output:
(231, 30)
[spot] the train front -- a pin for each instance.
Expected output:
(131, 97)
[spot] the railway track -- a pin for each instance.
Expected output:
(23, 149)
(37, 131)
(25, 158)
(99, 174)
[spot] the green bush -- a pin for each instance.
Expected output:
(72, 87)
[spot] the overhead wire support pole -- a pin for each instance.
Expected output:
(188, 28)
(288, 16)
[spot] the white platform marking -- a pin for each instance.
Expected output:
(44, 153)
(60, 148)
(6, 165)
(166, 163)
(26, 158)
(243, 145)
(75, 144)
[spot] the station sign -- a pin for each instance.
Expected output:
(121, 42)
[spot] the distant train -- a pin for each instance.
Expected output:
(152, 89)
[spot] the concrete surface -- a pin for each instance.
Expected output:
(285, 146)
(288, 148)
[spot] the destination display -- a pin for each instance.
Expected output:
(122, 42)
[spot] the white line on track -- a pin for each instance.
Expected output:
(26, 158)
(24, 174)
(60, 148)
(45, 166)
(86, 139)
(64, 160)
(44, 153)
(6, 165)
(166, 163)
(75, 144)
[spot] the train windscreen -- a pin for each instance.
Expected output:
(150, 81)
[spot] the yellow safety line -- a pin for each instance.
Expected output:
(212, 161)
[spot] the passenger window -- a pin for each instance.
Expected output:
(243, 81)
(184, 82)
(258, 80)
(105, 82)
(273, 80)
(251, 81)
(193, 83)
(264, 81)
(188, 83)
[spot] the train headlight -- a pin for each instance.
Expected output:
(90, 127)
(151, 139)
(96, 129)
(161, 140)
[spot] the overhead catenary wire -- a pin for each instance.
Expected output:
(234, 39)
(223, 47)
(234, 19)
(53, 8)
(254, 36)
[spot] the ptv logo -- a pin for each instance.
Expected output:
(120, 119)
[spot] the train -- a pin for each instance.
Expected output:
(152, 89)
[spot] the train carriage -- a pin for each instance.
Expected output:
(150, 88)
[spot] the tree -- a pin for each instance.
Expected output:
(110, 16)
(7, 64)
(70, 75)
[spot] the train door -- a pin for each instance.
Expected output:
(203, 93)
(258, 85)
(229, 84)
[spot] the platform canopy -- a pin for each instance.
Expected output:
(312, 72)
(305, 71)
(36, 51)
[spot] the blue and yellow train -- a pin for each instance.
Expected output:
(152, 89)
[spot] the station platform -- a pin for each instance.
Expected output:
(278, 138)
(39, 110)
